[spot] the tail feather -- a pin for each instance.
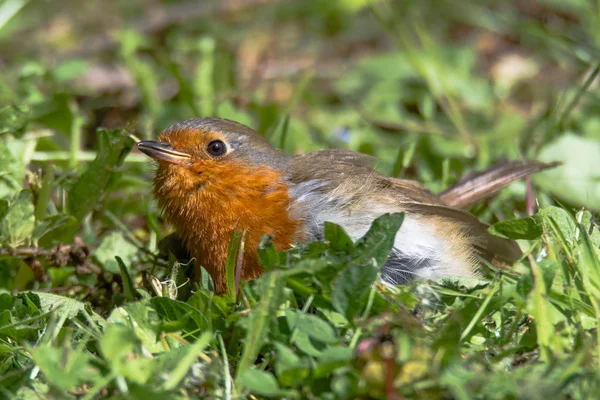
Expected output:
(475, 187)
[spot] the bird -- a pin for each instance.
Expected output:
(216, 176)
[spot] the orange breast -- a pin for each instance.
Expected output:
(207, 203)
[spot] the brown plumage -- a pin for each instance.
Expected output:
(216, 176)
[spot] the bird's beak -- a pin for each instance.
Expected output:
(163, 151)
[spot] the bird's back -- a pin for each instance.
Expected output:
(434, 241)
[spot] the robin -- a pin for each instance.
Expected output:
(215, 176)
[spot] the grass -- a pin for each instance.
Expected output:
(91, 306)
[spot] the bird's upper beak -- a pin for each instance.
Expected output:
(163, 151)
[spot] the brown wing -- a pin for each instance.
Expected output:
(490, 246)
(473, 188)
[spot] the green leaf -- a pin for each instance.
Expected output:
(350, 288)
(267, 254)
(70, 69)
(122, 350)
(18, 222)
(64, 368)
(128, 288)
(332, 358)
(531, 228)
(113, 147)
(260, 382)
(338, 238)
(291, 370)
(556, 217)
(51, 223)
(13, 119)
(182, 316)
(15, 156)
(524, 228)
(578, 180)
(374, 248)
(143, 319)
(53, 302)
(114, 244)
(307, 345)
(370, 254)
(4, 206)
(316, 328)
(180, 361)
(540, 309)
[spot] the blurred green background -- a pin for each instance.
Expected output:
(433, 88)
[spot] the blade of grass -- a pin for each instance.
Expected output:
(540, 311)
(477, 317)
(231, 262)
(9, 9)
(204, 87)
(564, 117)
(77, 124)
(259, 319)
(128, 288)
(226, 373)
(588, 259)
(185, 363)
(41, 205)
(238, 265)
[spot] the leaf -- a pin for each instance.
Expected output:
(338, 238)
(112, 245)
(312, 325)
(332, 358)
(15, 156)
(128, 288)
(181, 316)
(53, 302)
(63, 367)
(4, 206)
(291, 370)
(540, 310)
(307, 345)
(260, 382)
(181, 360)
(556, 217)
(531, 228)
(523, 228)
(350, 288)
(51, 223)
(113, 146)
(13, 119)
(18, 222)
(370, 254)
(121, 349)
(143, 319)
(578, 180)
(375, 246)
(267, 254)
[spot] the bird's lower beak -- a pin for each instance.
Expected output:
(163, 151)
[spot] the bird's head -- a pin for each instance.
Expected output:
(203, 160)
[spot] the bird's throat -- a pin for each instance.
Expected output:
(255, 201)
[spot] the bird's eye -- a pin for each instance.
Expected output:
(216, 148)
